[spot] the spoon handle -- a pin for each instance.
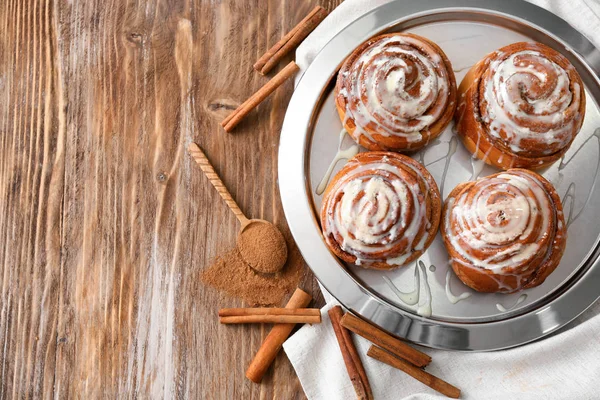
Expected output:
(199, 156)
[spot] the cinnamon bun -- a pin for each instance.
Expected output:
(520, 106)
(504, 232)
(381, 211)
(396, 92)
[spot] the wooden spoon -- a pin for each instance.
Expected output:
(261, 244)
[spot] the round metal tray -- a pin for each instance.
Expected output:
(466, 31)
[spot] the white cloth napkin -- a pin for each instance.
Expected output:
(563, 366)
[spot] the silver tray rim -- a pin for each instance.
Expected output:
(578, 294)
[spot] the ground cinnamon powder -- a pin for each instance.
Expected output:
(263, 247)
(233, 276)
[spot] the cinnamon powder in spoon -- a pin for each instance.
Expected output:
(263, 247)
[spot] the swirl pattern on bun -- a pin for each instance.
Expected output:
(381, 211)
(504, 232)
(396, 92)
(520, 107)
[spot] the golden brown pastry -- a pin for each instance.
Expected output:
(520, 107)
(381, 211)
(396, 92)
(504, 232)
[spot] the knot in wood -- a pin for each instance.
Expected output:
(135, 38)
(161, 177)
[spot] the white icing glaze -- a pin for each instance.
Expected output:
(378, 86)
(409, 298)
(476, 167)
(530, 102)
(424, 305)
(452, 145)
(420, 295)
(521, 299)
(451, 297)
(504, 218)
(340, 155)
(570, 195)
(378, 213)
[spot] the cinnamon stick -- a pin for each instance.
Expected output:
(425, 377)
(382, 339)
(231, 312)
(274, 340)
(239, 113)
(354, 366)
(292, 39)
(271, 319)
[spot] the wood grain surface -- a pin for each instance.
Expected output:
(105, 221)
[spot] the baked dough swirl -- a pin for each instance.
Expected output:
(520, 107)
(396, 92)
(381, 210)
(504, 232)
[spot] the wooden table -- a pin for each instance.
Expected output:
(105, 221)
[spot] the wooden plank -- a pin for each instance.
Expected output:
(105, 223)
(31, 190)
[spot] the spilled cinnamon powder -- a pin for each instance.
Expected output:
(230, 274)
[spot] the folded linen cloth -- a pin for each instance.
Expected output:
(562, 366)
